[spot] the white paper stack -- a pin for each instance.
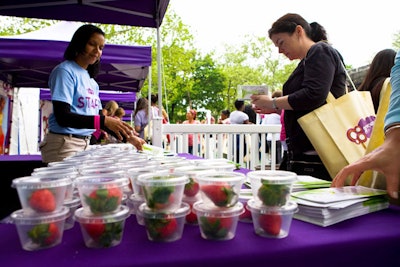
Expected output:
(327, 206)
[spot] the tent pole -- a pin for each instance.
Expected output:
(157, 124)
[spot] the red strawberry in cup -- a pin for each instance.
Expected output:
(191, 188)
(104, 234)
(42, 200)
(216, 227)
(222, 195)
(104, 199)
(161, 228)
(270, 223)
(45, 234)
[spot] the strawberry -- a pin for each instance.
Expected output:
(191, 188)
(42, 200)
(246, 215)
(104, 199)
(94, 230)
(104, 234)
(270, 223)
(161, 228)
(216, 227)
(221, 194)
(160, 197)
(44, 234)
(191, 218)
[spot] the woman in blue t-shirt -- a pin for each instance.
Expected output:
(76, 101)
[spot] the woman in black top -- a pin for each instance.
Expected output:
(319, 71)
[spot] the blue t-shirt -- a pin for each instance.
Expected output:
(70, 83)
(393, 113)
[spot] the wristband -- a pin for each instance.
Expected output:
(274, 106)
(392, 127)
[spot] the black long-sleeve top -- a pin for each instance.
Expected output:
(307, 88)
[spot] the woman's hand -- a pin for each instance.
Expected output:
(120, 128)
(262, 104)
(136, 142)
(384, 159)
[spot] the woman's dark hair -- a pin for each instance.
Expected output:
(318, 32)
(78, 44)
(378, 71)
(239, 104)
(288, 24)
(154, 99)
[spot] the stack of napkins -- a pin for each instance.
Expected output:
(327, 206)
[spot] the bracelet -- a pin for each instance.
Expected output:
(274, 106)
(392, 127)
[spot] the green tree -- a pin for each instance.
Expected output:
(396, 41)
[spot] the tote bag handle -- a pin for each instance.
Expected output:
(330, 98)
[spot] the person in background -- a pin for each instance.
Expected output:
(282, 137)
(119, 113)
(224, 117)
(191, 118)
(141, 117)
(319, 71)
(378, 71)
(76, 101)
(386, 158)
(238, 116)
(110, 108)
(274, 118)
(248, 109)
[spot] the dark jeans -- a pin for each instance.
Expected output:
(306, 165)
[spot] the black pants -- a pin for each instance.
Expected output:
(305, 165)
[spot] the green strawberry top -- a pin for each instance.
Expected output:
(273, 194)
(45, 234)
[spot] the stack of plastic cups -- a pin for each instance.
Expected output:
(271, 208)
(40, 222)
(219, 210)
(163, 210)
(71, 195)
(102, 216)
(191, 193)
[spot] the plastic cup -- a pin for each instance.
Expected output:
(163, 192)
(220, 189)
(73, 205)
(102, 231)
(272, 188)
(272, 222)
(39, 194)
(164, 226)
(244, 196)
(216, 223)
(40, 231)
(101, 194)
(136, 201)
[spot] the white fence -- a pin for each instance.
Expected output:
(219, 141)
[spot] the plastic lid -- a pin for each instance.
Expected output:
(146, 212)
(23, 217)
(201, 207)
(226, 176)
(162, 179)
(120, 214)
(106, 179)
(36, 182)
(273, 177)
(72, 203)
(289, 208)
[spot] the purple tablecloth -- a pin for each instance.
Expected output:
(369, 240)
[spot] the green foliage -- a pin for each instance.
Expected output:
(396, 42)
